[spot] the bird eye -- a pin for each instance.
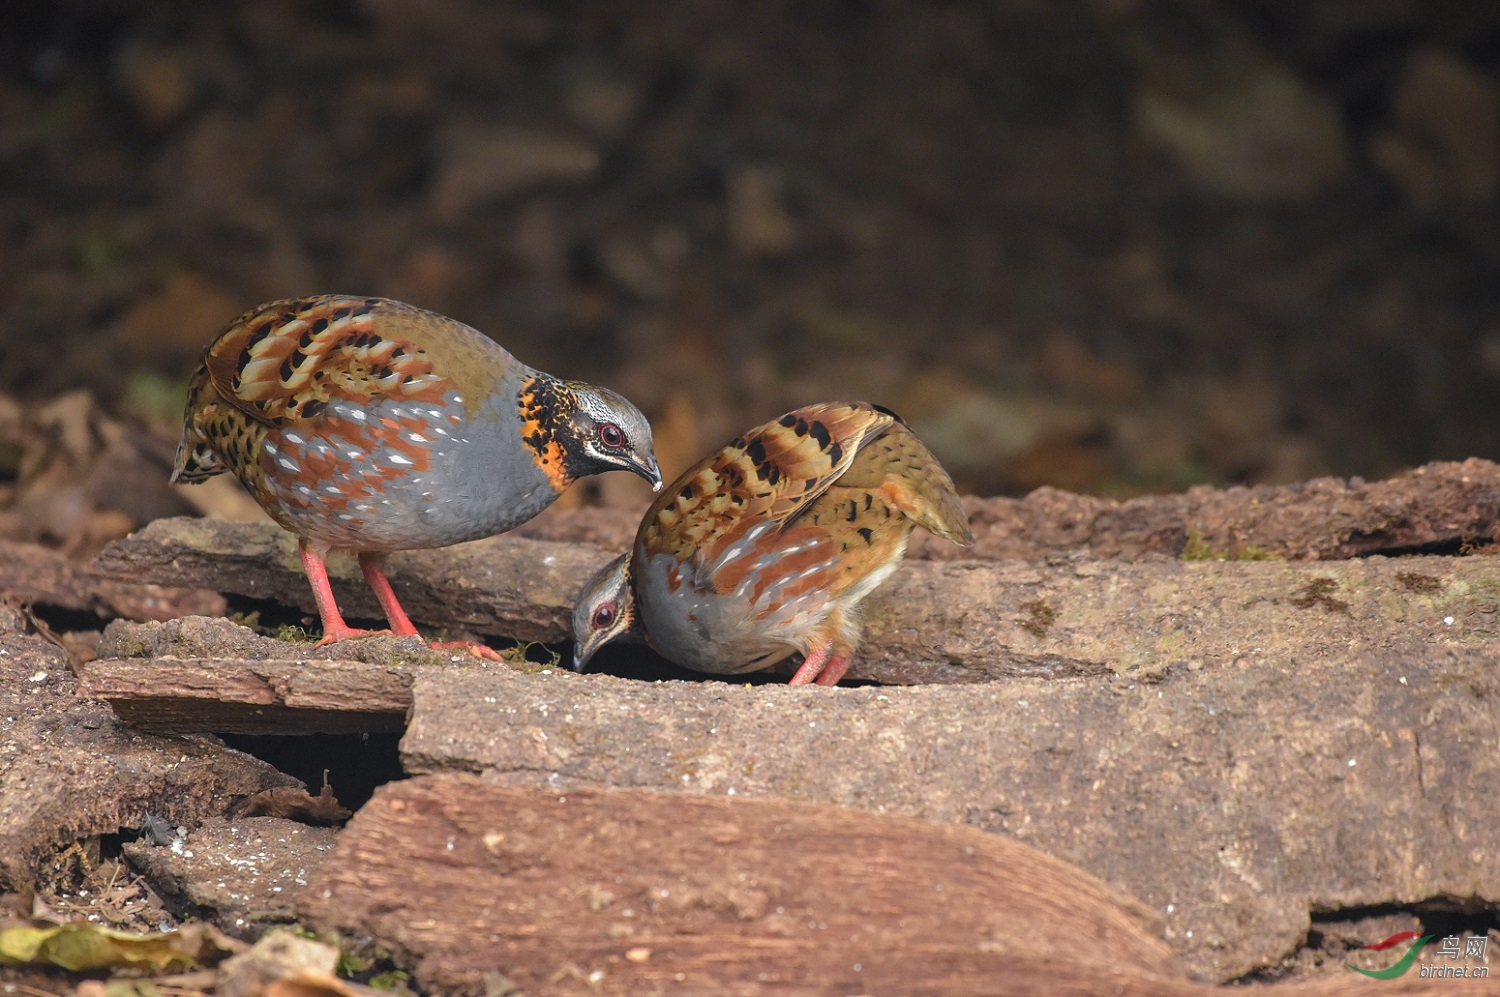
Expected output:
(612, 436)
(604, 616)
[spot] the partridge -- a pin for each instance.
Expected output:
(766, 548)
(371, 426)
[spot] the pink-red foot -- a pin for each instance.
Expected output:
(333, 636)
(469, 646)
(821, 667)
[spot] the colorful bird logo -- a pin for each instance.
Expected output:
(1402, 964)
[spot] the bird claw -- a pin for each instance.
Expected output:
(348, 633)
(472, 647)
(468, 646)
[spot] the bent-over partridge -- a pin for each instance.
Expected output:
(372, 426)
(767, 547)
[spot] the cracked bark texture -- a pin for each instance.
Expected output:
(933, 622)
(1238, 744)
(1234, 800)
(69, 769)
(1437, 508)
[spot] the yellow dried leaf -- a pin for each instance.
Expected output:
(80, 946)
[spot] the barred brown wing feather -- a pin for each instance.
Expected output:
(901, 471)
(772, 473)
(284, 361)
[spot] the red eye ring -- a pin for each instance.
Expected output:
(604, 616)
(612, 436)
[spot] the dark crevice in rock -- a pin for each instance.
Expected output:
(269, 615)
(356, 764)
(1336, 933)
(1457, 547)
(62, 620)
(636, 661)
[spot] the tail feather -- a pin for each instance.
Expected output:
(196, 462)
(900, 466)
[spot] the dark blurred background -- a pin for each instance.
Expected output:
(1115, 246)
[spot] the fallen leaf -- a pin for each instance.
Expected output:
(295, 804)
(79, 946)
(284, 964)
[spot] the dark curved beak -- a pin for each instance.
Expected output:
(647, 468)
(583, 652)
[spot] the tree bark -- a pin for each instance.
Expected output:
(933, 622)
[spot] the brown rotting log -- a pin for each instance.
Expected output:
(962, 621)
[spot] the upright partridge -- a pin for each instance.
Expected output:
(369, 425)
(767, 547)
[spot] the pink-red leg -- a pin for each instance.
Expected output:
(373, 566)
(824, 665)
(837, 665)
(334, 627)
(812, 665)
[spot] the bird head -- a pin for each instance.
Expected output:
(609, 433)
(603, 611)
